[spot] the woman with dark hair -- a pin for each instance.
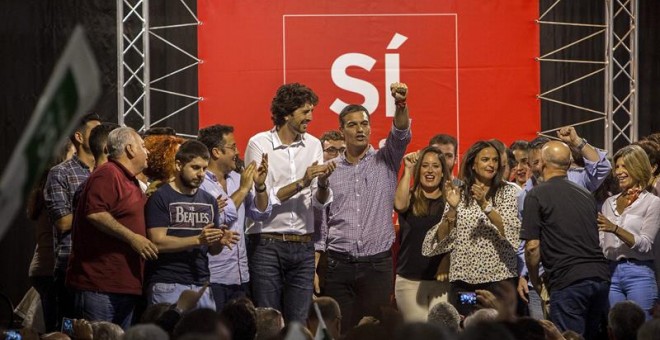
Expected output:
(417, 287)
(628, 226)
(480, 226)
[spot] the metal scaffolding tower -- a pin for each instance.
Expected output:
(135, 82)
(617, 38)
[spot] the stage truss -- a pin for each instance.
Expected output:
(616, 37)
(135, 83)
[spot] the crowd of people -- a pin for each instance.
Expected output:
(154, 236)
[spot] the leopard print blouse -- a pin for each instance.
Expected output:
(479, 254)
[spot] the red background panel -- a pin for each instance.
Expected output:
(469, 63)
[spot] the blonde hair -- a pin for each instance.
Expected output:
(637, 164)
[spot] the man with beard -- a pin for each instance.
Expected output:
(230, 276)
(281, 250)
(183, 222)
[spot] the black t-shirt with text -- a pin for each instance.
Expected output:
(183, 216)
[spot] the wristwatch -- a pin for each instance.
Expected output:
(488, 209)
(581, 145)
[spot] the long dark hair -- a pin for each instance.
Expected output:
(468, 175)
(419, 202)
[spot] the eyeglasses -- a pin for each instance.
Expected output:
(334, 151)
(231, 147)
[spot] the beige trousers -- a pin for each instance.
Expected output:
(415, 298)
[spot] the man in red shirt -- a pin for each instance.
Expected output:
(107, 259)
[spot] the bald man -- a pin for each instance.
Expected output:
(559, 224)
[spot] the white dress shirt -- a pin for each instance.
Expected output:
(641, 218)
(286, 164)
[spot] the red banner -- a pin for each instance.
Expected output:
(469, 64)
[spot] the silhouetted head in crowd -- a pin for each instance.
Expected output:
(652, 150)
(486, 331)
(145, 332)
(331, 314)
(624, 320)
(155, 131)
(421, 331)
(98, 142)
(449, 146)
(649, 331)
(480, 316)
(367, 332)
(572, 335)
(201, 321)
(445, 315)
(526, 329)
(241, 319)
(80, 136)
(103, 330)
(269, 322)
(153, 312)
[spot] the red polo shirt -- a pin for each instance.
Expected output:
(101, 262)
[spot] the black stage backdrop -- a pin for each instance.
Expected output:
(34, 33)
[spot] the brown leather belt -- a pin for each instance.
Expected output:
(286, 237)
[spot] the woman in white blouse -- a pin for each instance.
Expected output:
(628, 225)
(479, 227)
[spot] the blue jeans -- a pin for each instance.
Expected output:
(222, 294)
(169, 293)
(581, 307)
(115, 308)
(282, 276)
(635, 281)
(535, 305)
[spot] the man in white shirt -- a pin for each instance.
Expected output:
(280, 250)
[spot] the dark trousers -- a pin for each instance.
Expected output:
(581, 307)
(361, 286)
(45, 286)
(222, 294)
(65, 299)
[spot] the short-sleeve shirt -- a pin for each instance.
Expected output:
(183, 216)
(101, 262)
(562, 215)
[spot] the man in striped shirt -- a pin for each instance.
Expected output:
(358, 231)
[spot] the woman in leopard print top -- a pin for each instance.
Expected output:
(479, 226)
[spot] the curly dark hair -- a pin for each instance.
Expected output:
(213, 136)
(288, 98)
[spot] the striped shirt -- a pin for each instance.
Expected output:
(359, 219)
